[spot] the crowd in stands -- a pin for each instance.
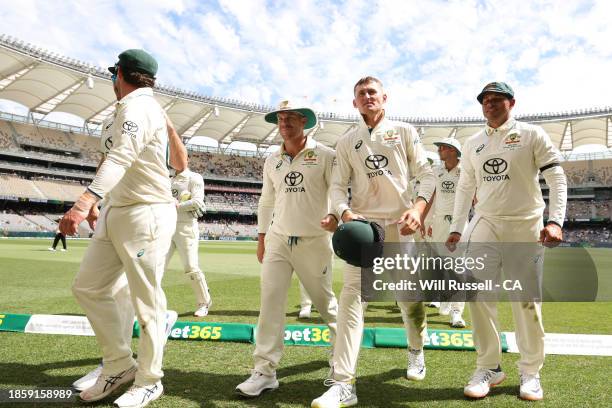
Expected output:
(587, 235)
(587, 209)
(228, 166)
(230, 229)
(578, 173)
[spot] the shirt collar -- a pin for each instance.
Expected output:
(136, 93)
(310, 144)
(509, 124)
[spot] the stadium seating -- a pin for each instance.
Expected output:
(237, 167)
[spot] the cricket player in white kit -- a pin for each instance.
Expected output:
(501, 163)
(121, 290)
(188, 191)
(443, 200)
(378, 157)
(294, 223)
(133, 235)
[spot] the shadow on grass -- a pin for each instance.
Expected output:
(214, 390)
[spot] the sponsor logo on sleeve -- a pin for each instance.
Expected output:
(358, 144)
(130, 128)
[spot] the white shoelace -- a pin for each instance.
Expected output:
(342, 390)
(482, 375)
(413, 358)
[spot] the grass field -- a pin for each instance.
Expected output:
(204, 374)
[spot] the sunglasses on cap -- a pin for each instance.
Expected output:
(114, 76)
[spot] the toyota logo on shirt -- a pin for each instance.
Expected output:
(376, 162)
(448, 185)
(130, 126)
(495, 167)
(293, 179)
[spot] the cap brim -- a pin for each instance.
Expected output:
(449, 145)
(482, 94)
(112, 70)
(311, 118)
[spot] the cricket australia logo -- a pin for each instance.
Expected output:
(293, 179)
(377, 162)
(495, 167)
(448, 186)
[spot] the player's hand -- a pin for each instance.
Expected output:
(429, 231)
(92, 217)
(411, 220)
(348, 216)
(452, 240)
(69, 224)
(329, 223)
(261, 247)
(551, 235)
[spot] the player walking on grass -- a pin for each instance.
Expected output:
(447, 178)
(378, 158)
(294, 223)
(133, 235)
(188, 191)
(501, 164)
(121, 291)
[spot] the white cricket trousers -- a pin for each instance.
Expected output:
(350, 315)
(186, 241)
(529, 329)
(440, 229)
(311, 259)
(134, 239)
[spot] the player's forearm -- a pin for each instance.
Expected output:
(178, 151)
(264, 218)
(427, 183)
(109, 174)
(557, 198)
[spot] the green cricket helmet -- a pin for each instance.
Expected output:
(358, 242)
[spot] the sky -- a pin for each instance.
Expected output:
(432, 56)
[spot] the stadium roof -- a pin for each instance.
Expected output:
(45, 82)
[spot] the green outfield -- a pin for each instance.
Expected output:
(204, 374)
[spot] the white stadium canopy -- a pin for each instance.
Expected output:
(45, 82)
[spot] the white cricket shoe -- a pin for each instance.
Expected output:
(105, 385)
(171, 318)
(138, 396)
(51, 249)
(256, 384)
(305, 312)
(531, 389)
(445, 308)
(202, 309)
(63, 250)
(456, 319)
(339, 395)
(481, 382)
(416, 365)
(88, 380)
